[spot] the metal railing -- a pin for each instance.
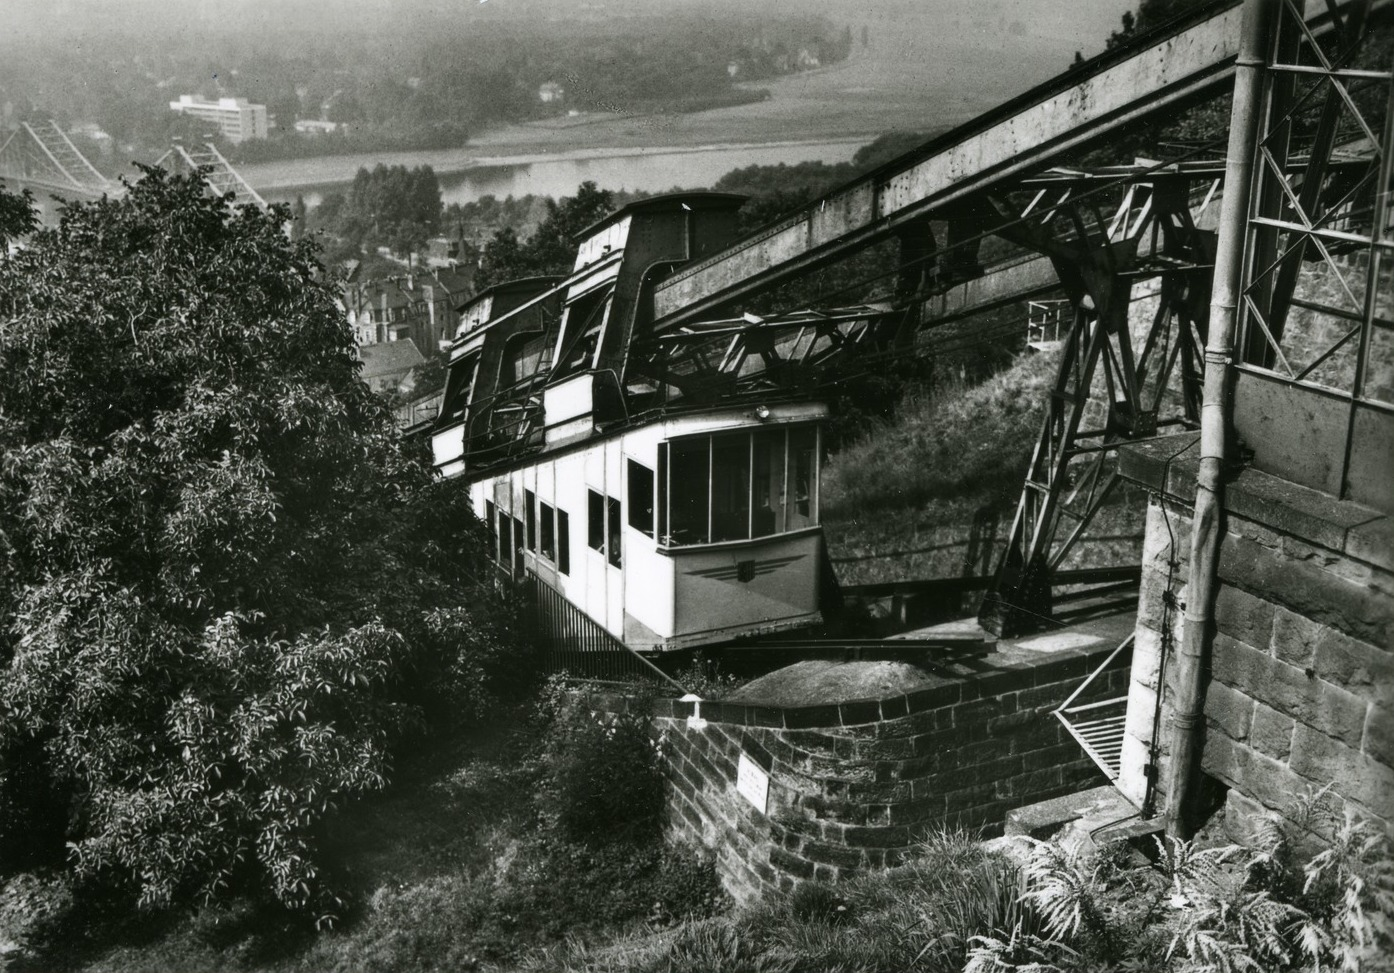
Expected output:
(1098, 726)
(576, 644)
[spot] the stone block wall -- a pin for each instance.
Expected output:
(1300, 691)
(853, 786)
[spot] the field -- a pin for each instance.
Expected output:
(922, 69)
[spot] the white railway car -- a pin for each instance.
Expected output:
(678, 532)
(666, 486)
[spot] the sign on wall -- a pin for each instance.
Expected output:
(753, 783)
(753, 774)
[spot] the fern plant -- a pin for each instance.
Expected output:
(1352, 882)
(1346, 889)
(1019, 952)
(1067, 889)
(1237, 932)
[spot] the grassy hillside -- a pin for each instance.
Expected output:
(904, 500)
(956, 443)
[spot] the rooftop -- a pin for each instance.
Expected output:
(389, 358)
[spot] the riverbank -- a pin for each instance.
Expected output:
(336, 169)
(907, 77)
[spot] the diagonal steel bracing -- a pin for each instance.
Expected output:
(42, 155)
(1118, 380)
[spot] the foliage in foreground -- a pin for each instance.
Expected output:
(958, 906)
(464, 864)
(1228, 908)
(226, 595)
(581, 855)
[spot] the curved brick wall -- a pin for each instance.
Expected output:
(853, 786)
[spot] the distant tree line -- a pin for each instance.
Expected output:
(390, 206)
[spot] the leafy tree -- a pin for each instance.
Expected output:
(552, 249)
(226, 594)
(505, 258)
(554, 244)
(395, 206)
(16, 215)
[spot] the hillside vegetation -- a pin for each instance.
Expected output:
(952, 457)
(954, 443)
(543, 830)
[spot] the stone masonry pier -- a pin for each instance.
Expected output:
(1301, 687)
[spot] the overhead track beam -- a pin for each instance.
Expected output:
(1021, 137)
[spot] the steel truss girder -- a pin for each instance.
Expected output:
(1070, 476)
(45, 156)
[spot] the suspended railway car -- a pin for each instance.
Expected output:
(666, 486)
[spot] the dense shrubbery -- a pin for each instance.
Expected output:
(602, 783)
(226, 595)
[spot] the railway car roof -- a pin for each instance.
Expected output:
(538, 284)
(703, 199)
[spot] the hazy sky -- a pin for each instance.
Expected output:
(1087, 19)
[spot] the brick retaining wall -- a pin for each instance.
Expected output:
(854, 786)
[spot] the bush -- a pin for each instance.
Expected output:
(36, 912)
(603, 783)
(705, 678)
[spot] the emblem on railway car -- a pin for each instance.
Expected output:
(745, 571)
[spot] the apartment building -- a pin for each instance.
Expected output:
(238, 120)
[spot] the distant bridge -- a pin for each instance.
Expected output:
(217, 172)
(42, 157)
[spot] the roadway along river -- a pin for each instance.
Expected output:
(466, 178)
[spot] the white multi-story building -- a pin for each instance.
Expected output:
(237, 119)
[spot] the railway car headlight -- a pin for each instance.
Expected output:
(762, 412)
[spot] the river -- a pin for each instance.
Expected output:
(465, 179)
